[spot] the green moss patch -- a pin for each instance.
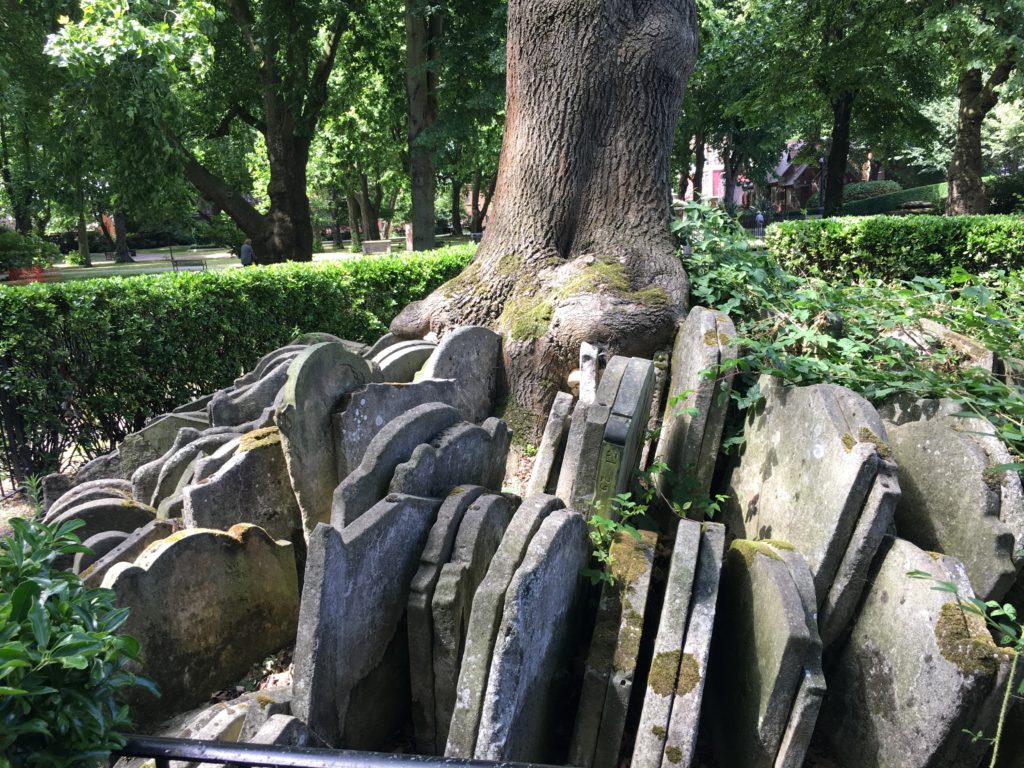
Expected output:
(867, 436)
(749, 549)
(259, 438)
(689, 674)
(527, 318)
(963, 641)
(663, 674)
(674, 755)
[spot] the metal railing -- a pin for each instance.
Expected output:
(163, 750)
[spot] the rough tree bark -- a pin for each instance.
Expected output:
(353, 223)
(977, 98)
(578, 246)
(121, 255)
(370, 208)
(84, 255)
(838, 154)
(477, 212)
(423, 35)
(456, 207)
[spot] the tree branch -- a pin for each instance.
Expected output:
(1000, 74)
(219, 192)
(317, 92)
(241, 113)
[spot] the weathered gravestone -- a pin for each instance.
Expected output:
(318, 378)
(764, 677)
(154, 440)
(484, 620)
(128, 550)
(401, 362)
(472, 356)
(816, 472)
(102, 515)
(479, 536)
(99, 545)
(918, 676)
(198, 632)
(115, 489)
(612, 658)
(951, 501)
(698, 397)
(544, 476)
(355, 593)
(527, 685)
(177, 467)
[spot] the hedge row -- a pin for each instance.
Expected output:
(933, 193)
(898, 247)
(89, 361)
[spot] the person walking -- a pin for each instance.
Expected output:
(248, 255)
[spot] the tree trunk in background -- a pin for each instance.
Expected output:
(370, 209)
(423, 36)
(18, 199)
(731, 171)
(353, 223)
(390, 212)
(976, 99)
(839, 154)
(336, 219)
(121, 255)
(699, 157)
(106, 232)
(457, 208)
(578, 246)
(84, 255)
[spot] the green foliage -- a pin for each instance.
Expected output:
(25, 251)
(604, 530)
(933, 193)
(898, 247)
(89, 361)
(1006, 193)
(860, 190)
(806, 330)
(221, 232)
(61, 663)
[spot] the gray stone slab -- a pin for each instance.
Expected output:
(544, 477)
(128, 550)
(385, 341)
(681, 740)
(484, 620)
(195, 406)
(589, 364)
(661, 362)
(145, 479)
(154, 440)
(526, 689)
(198, 633)
(269, 361)
(420, 620)
(244, 402)
(103, 515)
(285, 731)
(668, 648)
(698, 397)
(318, 378)
(175, 466)
(53, 486)
(355, 592)
(252, 487)
(573, 445)
(91, 491)
(100, 544)
(462, 454)
(392, 445)
(101, 468)
(612, 657)
(472, 356)
(952, 504)
(401, 362)
(758, 655)
(376, 405)
(809, 466)
(917, 677)
(626, 428)
(207, 466)
(479, 536)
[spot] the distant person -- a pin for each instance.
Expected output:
(247, 255)
(759, 219)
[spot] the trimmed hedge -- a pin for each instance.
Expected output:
(1006, 193)
(933, 193)
(90, 361)
(898, 247)
(860, 190)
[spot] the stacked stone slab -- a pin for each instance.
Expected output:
(698, 396)
(953, 503)
(918, 676)
(471, 355)
(603, 446)
(612, 659)
(816, 472)
(765, 683)
(667, 732)
(400, 362)
(544, 476)
(205, 606)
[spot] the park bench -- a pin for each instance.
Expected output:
(376, 246)
(179, 264)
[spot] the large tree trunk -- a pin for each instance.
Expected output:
(288, 225)
(423, 35)
(839, 154)
(370, 207)
(977, 99)
(84, 255)
(19, 199)
(731, 169)
(456, 207)
(336, 202)
(389, 209)
(121, 255)
(578, 245)
(353, 222)
(699, 157)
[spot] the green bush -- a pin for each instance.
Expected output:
(61, 662)
(898, 247)
(1006, 193)
(933, 193)
(221, 232)
(18, 250)
(89, 361)
(860, 190)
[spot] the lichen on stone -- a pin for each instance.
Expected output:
(867, 436)
(848, 442)
(659, 732)
(674, 755)
(779, 544)
(664, 672)
(689, 674)
(962, 640)
(259, 438)
(628, 647)
(748, 549)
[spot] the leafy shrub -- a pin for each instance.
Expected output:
(1006, 194)
(894, 247)
(860, 190)
(61, 663)
(932, 193)
(67, 242)
(18, 250)
(220, 231)
(89, 361)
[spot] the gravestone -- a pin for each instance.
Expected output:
(472, 356)
(544, 476)
(145, 479)
(154, 440)
(385, 341)
(318, 378)
(100, 544)
(816, 472)
(129, 549)
(590, 357)
(207, 466)
(102, 515)
(175, 467)
(368, 483)
(625, 431)
(479, 537)
(252, 487)
(244, 402)
(116, 489)
(401, 362)
(612, 658)
(661, 361)
(355, 593)
(698, 397)
(199, 634)
(484, 620)
(917, 677)
(526, 689)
